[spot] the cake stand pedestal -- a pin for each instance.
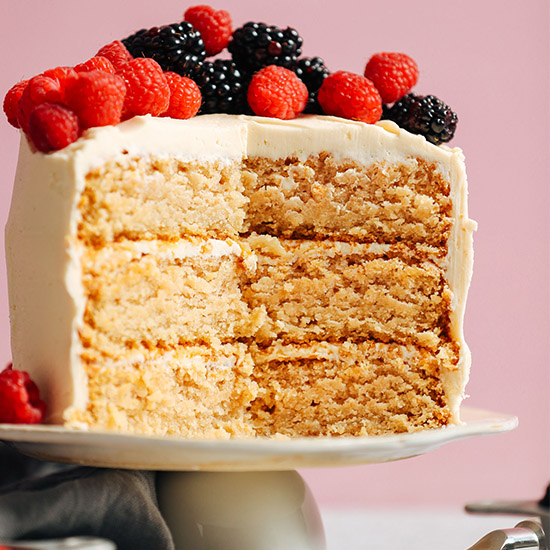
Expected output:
(241, 493)
(240, 511)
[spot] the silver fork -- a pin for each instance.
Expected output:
(526, 534)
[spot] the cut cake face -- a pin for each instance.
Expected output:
(237, 276)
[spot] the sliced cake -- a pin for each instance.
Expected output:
(242, 276)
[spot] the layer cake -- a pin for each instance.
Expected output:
(230, 276)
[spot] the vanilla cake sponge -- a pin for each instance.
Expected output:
(233, 276)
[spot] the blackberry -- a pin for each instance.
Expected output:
(257, 45)
(424, 115)
(312, 72)
(177, 47)
(223, 87)
(386, 108)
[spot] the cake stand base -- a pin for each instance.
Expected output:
(240, 511)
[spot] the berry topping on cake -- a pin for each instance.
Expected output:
(214, 25)
(11, 102)
(97, 98)
(257, 45)
(116, 53)
(393, 74)
(312, 72)
(424, 115)
(223, 87)
(178, 47)
(350, 95)
(185, 96)
(52, 127)
(96, 63)
(20, 401)
(147, 90)
(277, 92)
(40, 89)
(63, 75)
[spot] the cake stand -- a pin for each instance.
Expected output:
(240, 494)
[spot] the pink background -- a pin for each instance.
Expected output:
(490, 61)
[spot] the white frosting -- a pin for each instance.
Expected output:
(213, 248)
(45, 290)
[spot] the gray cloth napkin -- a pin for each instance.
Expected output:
(118, 505)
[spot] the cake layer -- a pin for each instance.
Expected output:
(165, 198)
(299, 390)
(330, 290)
(323, 197)
(350, 389)
(148, 197)
(161, 294)
(192, 391)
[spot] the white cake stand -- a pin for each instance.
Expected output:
(239, 494)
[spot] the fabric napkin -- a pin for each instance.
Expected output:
(119, 505)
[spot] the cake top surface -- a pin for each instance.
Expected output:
(232, 137)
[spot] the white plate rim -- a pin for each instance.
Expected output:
(94, 447)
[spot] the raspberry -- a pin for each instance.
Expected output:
(350, 95)
(20, 401)
(185, 97)
(11, 102)
(215, 27)
(147, 90)
(393, 74)
(116, 53)
(52, 127)
(277, 92)
(40, 89)
(97, 98)
(97, 63)
(63, 75)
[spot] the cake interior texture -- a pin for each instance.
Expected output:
(340, 320)
(265, 296)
